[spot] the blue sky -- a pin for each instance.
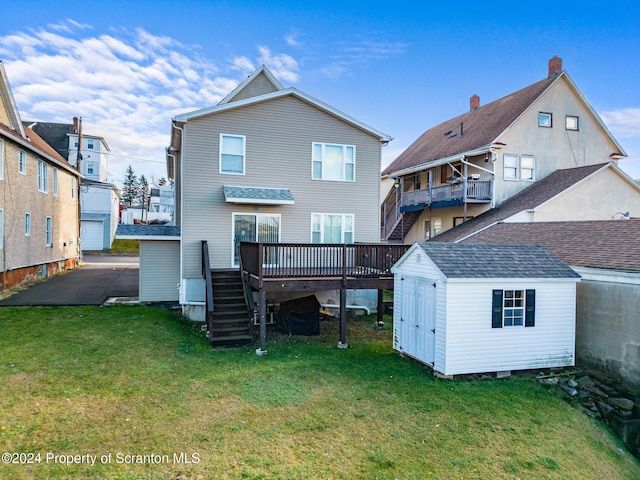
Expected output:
(128, 67)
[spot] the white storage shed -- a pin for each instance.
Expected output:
(475, 308)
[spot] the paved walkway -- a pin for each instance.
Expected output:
(99, 277)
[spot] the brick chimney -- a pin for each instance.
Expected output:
(75, 124)
(555, 66)
(474, 102)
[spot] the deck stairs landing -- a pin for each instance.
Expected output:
(230, 322)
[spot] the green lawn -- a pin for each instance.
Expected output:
(131, 384)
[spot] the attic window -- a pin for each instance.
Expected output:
(571, 122)
(545, 119)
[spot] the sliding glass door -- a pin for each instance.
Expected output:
(255, 227)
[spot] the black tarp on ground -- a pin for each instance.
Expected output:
(300, 316)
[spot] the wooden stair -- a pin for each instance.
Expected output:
(407, 221)
(230, 322)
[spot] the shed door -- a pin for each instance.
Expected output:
(417, 319)
(91, 235)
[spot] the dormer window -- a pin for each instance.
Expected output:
(571, 122)
(545, 119)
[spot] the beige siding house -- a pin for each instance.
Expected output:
(473, 163)
(269, 164)
(39, 224)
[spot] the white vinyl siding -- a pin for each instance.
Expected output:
(333, 162)
(232, 154)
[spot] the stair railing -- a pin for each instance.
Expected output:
(206, 273)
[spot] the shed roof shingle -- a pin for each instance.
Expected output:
(462, 260)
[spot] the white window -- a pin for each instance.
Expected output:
(55, 181)
(22, 162)
(545, 119)
(513, 308)
(43, 183)
(1, 159)
(571, 122)
(49, 232)
(519, 167)
(331, 228)
(27, 224)
(333, 162)
(437, 226)
(232, 154)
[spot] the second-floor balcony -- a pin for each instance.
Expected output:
(457, 193)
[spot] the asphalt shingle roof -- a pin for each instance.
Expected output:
(462, 260)
(148, 230)
(255, 193)
(527, 199)
(607, 244)
(470, 131)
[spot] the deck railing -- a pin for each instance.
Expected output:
(296, 260)
(476, 190)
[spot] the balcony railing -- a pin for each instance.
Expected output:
(476, 190)
(295, 260)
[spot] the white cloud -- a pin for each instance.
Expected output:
(126, 85)
(624, 122)
(282, 65)
(292, 39)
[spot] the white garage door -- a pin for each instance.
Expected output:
(91, 235)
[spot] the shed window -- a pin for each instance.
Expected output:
(513, 308)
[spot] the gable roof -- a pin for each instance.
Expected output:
(468, 260)
(8, 104)
(229, 104)
(529, 198)
(607, 244)
(474, 132)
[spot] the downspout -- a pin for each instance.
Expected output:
(181, 202)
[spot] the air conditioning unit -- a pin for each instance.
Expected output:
(474, 176)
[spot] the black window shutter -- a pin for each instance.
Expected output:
(496, 309)
(530, 309)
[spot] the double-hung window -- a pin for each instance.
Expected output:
(232, 154)
(43, 183)
(54, 173)
(333, 162)
(513, 308)
(49, 232)
(22, 162)
(519, 167)
(331, 228)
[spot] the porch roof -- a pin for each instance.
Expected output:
(258, 195)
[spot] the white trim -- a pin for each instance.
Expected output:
(22, 166)
(606, 275)
(258, 201)
(322, 161)
(256, 215)
(342, 230)
(244, 153)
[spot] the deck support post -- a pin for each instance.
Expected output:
(380, 322)
(343, 318)
(263, 323)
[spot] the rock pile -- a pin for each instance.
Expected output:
(604, 398)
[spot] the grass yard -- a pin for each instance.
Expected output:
(139, 389)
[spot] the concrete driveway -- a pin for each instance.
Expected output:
(98, 278)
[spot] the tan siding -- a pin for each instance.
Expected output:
(279, 134)
(19, 195)
(259, 86)
(160, 265)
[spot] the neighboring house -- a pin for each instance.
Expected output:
(159, 209)
(465, 309)
(269, 164)
(607, 256)
(38, 201)
(594, 192)
(476, 161)
(99, 198)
